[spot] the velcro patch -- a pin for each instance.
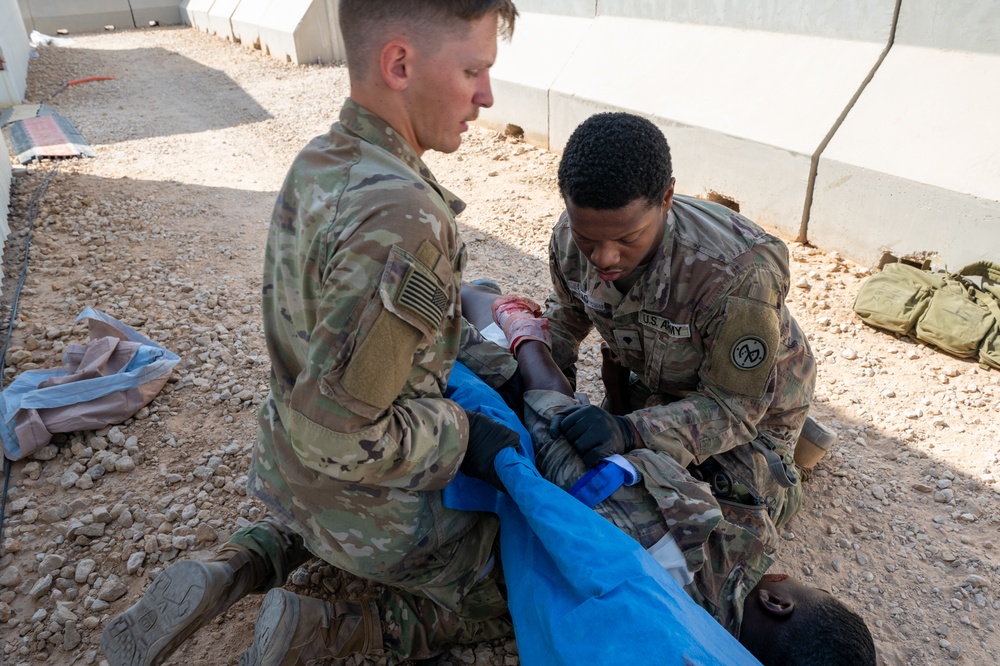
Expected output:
(421, 296)
(746, 347)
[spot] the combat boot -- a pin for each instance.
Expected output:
(182, 599)
(297, 631)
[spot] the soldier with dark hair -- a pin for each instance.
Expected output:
(363, 326)
(706, 371)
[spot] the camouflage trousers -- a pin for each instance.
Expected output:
(413, 626)
(727, 546)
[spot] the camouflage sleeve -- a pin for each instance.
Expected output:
(362, 411)
(741, 334)
(491, 362)
(568, 320)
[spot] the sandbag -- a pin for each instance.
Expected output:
(958, 313)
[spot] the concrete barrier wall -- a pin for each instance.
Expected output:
(302, 31)
(744, 110)
(48, 16)
(14, 52)
(915, 168)
(164, 12)
(752, 94)
(247, 20)
(25, 15)
(220, 18)
(859, 125)
(196, 12)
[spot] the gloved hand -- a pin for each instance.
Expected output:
(486, 439)
(593, 432)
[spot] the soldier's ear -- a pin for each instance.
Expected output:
(668, 196)
(394, 64)
(776, 602)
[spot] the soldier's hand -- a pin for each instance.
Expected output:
(593, 432)
(486, 439)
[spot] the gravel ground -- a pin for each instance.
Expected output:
(165, 230)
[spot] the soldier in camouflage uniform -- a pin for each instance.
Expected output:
(688, 296)
(706, 543)
(363, 326)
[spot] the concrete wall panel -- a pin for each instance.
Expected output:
(526, 68)
(14, 51)
(914, 167)
(302, 31)
(48, 16)
(220, 19)
(25, 15)
(959, 25)
(573, 8)
(765, 100)
(866, 20)
(165, 12)
(246, 22)
(197, 12)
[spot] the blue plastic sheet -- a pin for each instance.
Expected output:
(580, 590)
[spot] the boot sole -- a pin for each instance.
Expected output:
(274, 629)
(168, 613)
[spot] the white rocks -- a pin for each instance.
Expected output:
(849, 354)
(135, 562)
(68, 479)
(41, 587)
(124, 464)
(83, 570)
(50, 564)
(112, 590)
(10, 577)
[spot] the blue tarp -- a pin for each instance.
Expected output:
(580, 590)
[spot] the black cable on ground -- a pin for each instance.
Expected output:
(32, 216)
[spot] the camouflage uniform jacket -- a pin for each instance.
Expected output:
(706, 331)
(363, 325)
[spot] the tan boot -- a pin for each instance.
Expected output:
(293, 630)
(182, 599)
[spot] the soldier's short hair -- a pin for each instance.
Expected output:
(363, 22)
(824, 632)
(612, 159)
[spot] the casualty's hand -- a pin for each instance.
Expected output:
(486, 439)
(593, 432)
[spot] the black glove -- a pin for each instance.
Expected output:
(486, 439)
(593, 432)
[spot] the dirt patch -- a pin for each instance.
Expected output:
(165, 230)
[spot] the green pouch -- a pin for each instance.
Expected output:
(895, 298)
(985, 277)
(954, 322)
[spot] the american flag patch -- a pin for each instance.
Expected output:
(422, 296)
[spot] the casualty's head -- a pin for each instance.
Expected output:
(423, 65)
(786, 623)
(615, 179)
